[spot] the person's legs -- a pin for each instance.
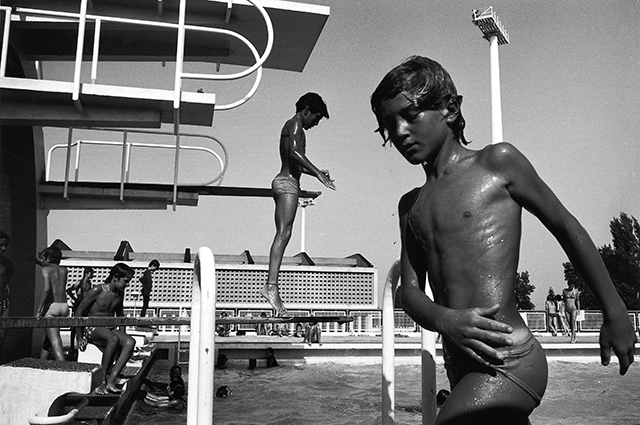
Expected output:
(145, 304)
(552, 324)
(572, 316)
(285, 214)
(126, 345)
(56, 342)
(53, 334)
(108, 341)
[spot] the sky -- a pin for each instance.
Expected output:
(569, 84)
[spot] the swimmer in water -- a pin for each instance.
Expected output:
(463, 229)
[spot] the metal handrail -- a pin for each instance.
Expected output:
(428, 351)
(126, 155)
(202, 341)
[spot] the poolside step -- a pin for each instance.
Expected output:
(31, 386)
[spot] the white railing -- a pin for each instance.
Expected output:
(202, 340)
(127, 145)
(428, 351)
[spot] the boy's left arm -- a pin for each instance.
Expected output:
(530, 191)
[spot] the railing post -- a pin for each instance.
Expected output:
(388, 345)
(428, 355)
(79, 52)
(202, 340)
(5, 40)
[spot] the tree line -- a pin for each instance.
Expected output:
(621, 258)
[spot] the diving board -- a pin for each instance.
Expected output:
(106, 195)
(27, 101)
(65, 322)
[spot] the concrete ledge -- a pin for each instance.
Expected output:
(31, 386)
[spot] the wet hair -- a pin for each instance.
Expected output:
(175, 371)
(154, 263)
(426, 84)
(53, 254)
(314, 102)
(119, 270)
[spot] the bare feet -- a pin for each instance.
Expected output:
(102, 390)
(113, 389)
(271, 293)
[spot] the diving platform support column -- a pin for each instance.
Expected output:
(201, 345)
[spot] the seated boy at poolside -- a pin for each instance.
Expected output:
(463, 230)
(106, 300)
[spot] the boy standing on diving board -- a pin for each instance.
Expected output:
(463, 230)
(285, 188)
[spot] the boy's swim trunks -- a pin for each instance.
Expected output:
(524, 364)
(285, 185)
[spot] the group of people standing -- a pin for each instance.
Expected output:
(562, 311)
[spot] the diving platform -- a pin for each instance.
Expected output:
(296, 26)
(140, 196)
(27, 101)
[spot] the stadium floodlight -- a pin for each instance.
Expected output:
(493, 31)
(490, 25)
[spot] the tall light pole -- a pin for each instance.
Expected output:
(304, 203)
(493, 30)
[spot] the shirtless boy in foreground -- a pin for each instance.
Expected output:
(106, 300)
(285, 188)
(463, 228)
(53, 301)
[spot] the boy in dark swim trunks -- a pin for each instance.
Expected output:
(285, 188)
(106, 300)
(463, 229)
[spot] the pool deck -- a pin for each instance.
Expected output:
(353, 347)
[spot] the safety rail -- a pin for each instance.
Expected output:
(202, 344)
(127, 145)
(428, 350)
(180, 75)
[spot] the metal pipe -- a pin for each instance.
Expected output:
(202, 343)
(388, 349)
(96, 50)
(62, 419)
(79, 51)
(496, 104)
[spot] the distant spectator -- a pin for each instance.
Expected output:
(147, 284)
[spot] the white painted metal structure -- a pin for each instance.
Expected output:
(201, 349)
(495, 33)
(428, 353)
